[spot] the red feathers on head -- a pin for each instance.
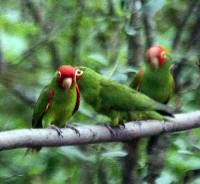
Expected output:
(158, 52)
(67, 71)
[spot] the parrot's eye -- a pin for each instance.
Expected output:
(163, 55)
(79, 73)
(58, 74)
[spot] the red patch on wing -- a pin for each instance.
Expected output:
(139, 79)
(77, 100)
(50, 97)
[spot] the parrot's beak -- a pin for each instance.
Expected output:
(155, 62)
(67, 82)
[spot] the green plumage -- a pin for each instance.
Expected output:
(156, 83)
(113, 99)
(61, 106)
(145, 115)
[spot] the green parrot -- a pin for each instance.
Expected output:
(156, 80)
(59, 100)
(115, 100)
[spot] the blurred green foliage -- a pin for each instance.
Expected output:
(36, 36)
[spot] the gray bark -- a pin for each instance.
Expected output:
(96, 133)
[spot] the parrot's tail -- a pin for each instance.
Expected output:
(165, 110)
(165, 113)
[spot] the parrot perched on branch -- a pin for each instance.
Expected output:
(59, 100)
(156, 80)
(115, 100)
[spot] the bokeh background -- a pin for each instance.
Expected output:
(110, 36)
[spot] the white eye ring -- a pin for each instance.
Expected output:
(58, 74)
(163, 54)
(79, 72)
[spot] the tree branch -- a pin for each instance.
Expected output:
(74, 56)
(149, 26)
(90, 134)
(193, 37)
(135, 55)
(46, 28)
(182, 24)
(9, 83)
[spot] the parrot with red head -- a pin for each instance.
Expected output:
(59, 100)
(156, 80)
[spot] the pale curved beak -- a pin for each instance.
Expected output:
(155, 62)
(67, 82)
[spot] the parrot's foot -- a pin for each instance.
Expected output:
(73, 128)
(112, 127)
(57, 129)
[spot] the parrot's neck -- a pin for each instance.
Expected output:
(88, 85)
(89, 79)
(164, 69)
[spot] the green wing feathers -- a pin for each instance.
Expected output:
(40, 108)
(106, 95)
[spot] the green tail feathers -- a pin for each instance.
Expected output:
(145, 115)
(165, 110)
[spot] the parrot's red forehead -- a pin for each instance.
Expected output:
(67, 70)
(155, 50)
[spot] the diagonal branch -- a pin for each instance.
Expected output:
(183, 22)
(90, 134)
(9, 83)
(46, 28)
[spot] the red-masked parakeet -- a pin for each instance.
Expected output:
(59, 100)
(155, 80)
(113, 99)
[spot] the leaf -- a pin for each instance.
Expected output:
(73, 152)
(185, 152)
(113, 154)
(98, 58)
(153, 6)
(167, 177)
(130, 30)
